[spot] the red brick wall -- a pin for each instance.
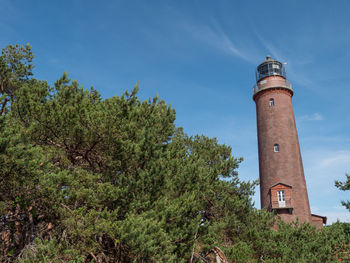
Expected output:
(276, 125)
(317, 221)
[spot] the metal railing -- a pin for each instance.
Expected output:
(258, 87)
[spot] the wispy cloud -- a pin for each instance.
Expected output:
(314, 209)
(217, 38)
(322, 168)
(57, 63)
(335, 160)
(274, 52)
(334, 216)
(314, 117)
(293, 74)
(54, 61)
(325, 166)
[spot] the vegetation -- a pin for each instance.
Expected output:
(84, 179)
(344, 186)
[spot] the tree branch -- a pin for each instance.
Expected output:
(3, 106)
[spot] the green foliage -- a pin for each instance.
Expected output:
(344, 186)
(304, 243)
(15, 69)
(90, 180)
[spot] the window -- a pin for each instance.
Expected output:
(272, 102)
(276, 148)
(281, 196)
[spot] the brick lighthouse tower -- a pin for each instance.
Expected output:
(282, 182)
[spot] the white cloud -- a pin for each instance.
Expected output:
(322, 168)
(338, 159)
(314, 117)
(333, 217)
(54, 61)
(314, 209)
(218, 39)
(296, 76)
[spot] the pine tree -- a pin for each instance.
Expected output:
(344, 186)
(15, 69)
(90, 180)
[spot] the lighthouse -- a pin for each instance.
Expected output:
(282, 181)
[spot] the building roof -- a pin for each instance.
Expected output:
(324, 218)
(281, 183)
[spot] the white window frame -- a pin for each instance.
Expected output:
(281, 195)
(272, 102)
(276, 148)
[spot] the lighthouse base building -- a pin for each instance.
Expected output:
(282, 181)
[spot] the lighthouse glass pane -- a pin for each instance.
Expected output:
(264, 70)
(276, 69)
(276, 148)
(273, 68)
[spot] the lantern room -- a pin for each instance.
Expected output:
(270, 67)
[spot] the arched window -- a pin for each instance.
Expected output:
(276, 148)
(272, 102)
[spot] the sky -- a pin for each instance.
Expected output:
(200, 57)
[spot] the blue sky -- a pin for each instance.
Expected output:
(200, 56)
